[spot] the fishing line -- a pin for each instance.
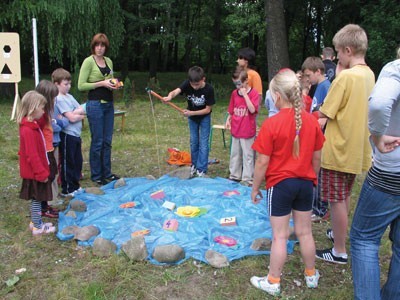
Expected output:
(156, 132)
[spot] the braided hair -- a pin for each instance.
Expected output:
(288, 86)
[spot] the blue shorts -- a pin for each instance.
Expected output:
(291, 193)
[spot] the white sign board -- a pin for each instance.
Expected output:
(10, 61)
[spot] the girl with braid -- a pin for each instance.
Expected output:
(288, 155)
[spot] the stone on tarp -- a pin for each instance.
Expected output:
(261, 244)
(216, 259)
(168, 253)
(70, 230)
(119, 183)
(181, 172)
(71, 214)
(86, 232)
(292, 235)
(103, 247)
(78, 205)
(94, 190)
(135, 248)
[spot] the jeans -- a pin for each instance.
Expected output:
(199, 136)
(101, 123)
(375, 211)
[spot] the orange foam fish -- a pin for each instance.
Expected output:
(141, 232)
(128, 204)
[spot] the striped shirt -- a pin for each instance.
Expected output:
(387, 182)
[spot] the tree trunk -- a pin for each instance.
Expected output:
(277, 45)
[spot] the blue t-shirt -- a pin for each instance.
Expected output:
(320, 93)
(66, 103)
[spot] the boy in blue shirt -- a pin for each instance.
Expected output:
(70, 136)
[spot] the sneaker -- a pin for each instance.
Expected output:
(193, 171)
(112, 178)
(44, 230)
(31, 226)
(262, 283)
(200, 174)
(329, 235)
(50, 213)
(326, 216)
(312, 281)
(101, 181)
(328, 256)
(72, 194)
(315, 218)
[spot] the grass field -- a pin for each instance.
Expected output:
(64, 270)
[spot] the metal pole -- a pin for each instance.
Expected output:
(35, 52)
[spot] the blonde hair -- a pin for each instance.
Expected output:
(288, 86)
(352, 36)
(29, 102)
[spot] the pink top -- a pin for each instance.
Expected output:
(243, 123)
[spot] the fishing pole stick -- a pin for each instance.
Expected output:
(162, 99)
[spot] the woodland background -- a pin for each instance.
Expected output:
(172, 35)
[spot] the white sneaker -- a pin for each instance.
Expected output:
(312, 281)
(193, 171)
(263, 284)
(200, 174)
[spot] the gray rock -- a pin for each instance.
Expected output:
(150, 177)
(292, 235)
(168, 253)
(103, 247)
(71, 214)
(181, 172)
(119, 183)
(70, 230)
(261, 244)
(135, 248)
(78, 205)
(94, 190)
(85, 233)
(216, 259)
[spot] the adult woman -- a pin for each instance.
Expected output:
(95, 77)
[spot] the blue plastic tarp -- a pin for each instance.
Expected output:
(219, 197)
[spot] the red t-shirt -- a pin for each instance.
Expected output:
(275, 140)
(243, 123)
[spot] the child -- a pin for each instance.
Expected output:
(200, 99)
(347, 150)
(33, 161)
(328, 56)
(313, 68)
(245, 60)
(289, 146)
(71, 143)
(49, 91)
(243, 108)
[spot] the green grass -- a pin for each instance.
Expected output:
(64, 270)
